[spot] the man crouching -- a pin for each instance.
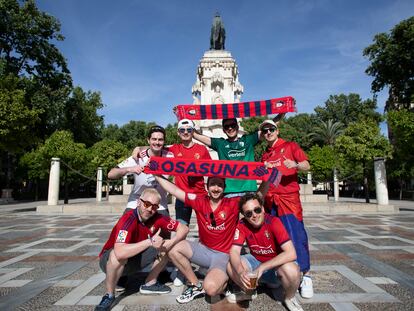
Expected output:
(272, 254)
(135, 243)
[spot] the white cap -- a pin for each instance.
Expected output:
(270, 122)
(183, 122)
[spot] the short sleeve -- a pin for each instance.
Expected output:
(166, 223)
(279, 231)
(127, 163)
(193, 200)
(239, 235)
(298, 154)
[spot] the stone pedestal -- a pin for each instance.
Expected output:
(217, 82)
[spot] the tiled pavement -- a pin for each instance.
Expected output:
(359, 262)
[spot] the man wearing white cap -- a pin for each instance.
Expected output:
(284, 200)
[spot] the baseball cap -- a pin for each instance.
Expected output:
(267, 122)
(183, 122)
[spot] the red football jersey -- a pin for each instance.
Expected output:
(226, 216)
(191, 184)
(129, 229)
(264, 242)
(277, 154)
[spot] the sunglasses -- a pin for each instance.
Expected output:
(183, 130)
(256, 210)
(213, 220)
(148, 204)
(269, 130)
(230, 125)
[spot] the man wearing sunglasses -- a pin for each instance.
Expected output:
(284, 200)
(217, 217)
(135, 243)
(234, 148)
(272, 254)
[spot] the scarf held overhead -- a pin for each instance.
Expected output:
(236, 110)
(217, 168)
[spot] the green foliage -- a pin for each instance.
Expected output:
(106, 153)
(323, 160)
(26, 46)
(362, 142)
(15, 117)
(297, 129)
(81, 116)
(347, 108)
(392, 62)
(402, 127)
(326, 132)
(59, 145)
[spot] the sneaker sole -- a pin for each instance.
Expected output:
(151, 292)
(306, 295)
(191, 298)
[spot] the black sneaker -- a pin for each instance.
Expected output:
(190, 293)
(156, 288)
(105, 303)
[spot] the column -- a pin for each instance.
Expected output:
(381, 189)
(54, 175)
(336, 185)
(99, 185)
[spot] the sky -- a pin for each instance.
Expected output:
(142, 56)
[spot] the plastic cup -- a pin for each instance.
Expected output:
(253, 279)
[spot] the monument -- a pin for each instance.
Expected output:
(217, 78)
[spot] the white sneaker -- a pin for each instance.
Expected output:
(240, 296)
(292, 304)
(306, 287)
(177, 282)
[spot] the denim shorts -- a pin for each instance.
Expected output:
(269, 276)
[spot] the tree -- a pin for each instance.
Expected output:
(347, 108)
(362, 142)
(26, 48)
(297, 129)
(323, 160)
(81, 116)
(392, 64)
(326, 132)
(402, 165)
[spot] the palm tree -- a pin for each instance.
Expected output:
(327, 132)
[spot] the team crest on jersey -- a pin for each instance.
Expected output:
(122, 236)
(152, 229)
(267, 234)
(282, 151)
(196, 155)
(179, 154)
(222, 215)
(236, 234)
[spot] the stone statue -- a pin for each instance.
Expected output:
(218, 34)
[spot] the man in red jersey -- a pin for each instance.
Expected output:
(272, 253)
(284, 200)
(135, 242)
(217, 218)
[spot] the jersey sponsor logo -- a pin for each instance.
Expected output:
(260, 250)
(121, 238)
(236, 234)
(277, 162)
(221, 227)
(171, 224)
(236, 153)
(222, 214)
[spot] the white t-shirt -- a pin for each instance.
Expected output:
(143, 181)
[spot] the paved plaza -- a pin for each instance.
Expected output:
(359, 262)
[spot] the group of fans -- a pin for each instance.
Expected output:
(269, 239)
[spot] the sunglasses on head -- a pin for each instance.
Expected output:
(269, 130)
(256, 210)
(230, 125)
(213, 220)
(148, 204)
(183, 130)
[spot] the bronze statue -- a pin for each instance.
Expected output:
(218, 34)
